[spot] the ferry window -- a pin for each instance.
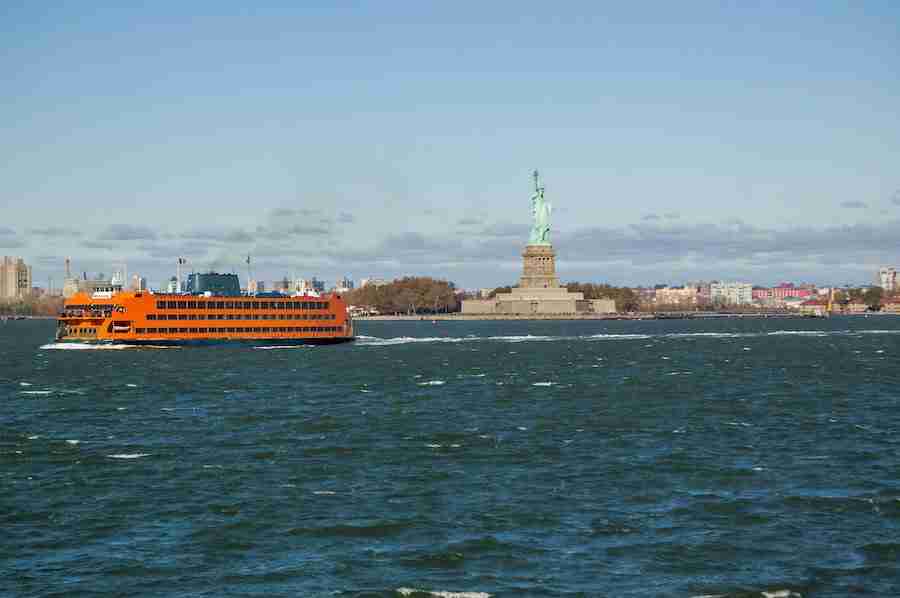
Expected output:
(192, 305)
(182, 305)
(220, 305)
(192, 316)
(172, 317)
(171, 304)
(182, 316)
(246, 305)
(324, 305)
(201, 330)
(151, 331)
(231, 330)
(140, 330)
(201, 305)
(229, 305)
(160, 305)
(193, 330)
(304, 305)
(151, 316)
(183, 330)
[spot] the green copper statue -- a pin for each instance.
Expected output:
(540, 211)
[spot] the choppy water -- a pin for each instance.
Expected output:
(507, 458)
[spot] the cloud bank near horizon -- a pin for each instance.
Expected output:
(473, 254)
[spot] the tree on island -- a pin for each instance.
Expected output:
(409, 295)
(872, 297)
(626, 299)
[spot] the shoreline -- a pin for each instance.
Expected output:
(573, 317)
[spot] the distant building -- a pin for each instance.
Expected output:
(138, 283)
(731, 293)
(173, 286)
(778, 296)
(15, 278)
(887, 278)
(343, 285)
(677, 296)
(256, 286)
(378, 282)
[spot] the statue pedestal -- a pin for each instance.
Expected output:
(539, 268)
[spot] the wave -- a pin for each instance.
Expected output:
(99, 347)
(268, 347)
(128, 455)
(374, 341)
(441, 593)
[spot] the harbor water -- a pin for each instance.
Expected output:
(659, 458)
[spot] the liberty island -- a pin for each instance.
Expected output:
(539, 292)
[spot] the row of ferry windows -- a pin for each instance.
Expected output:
(241, 305)
(208, 316)
(235, 330)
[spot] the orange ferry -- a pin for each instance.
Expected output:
(213, 310)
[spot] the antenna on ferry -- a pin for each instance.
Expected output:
(181, 261)
(249, 272)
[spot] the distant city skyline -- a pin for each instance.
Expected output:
(681, 143)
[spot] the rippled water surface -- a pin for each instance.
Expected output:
(666, 458)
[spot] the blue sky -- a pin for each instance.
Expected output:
(678, 142)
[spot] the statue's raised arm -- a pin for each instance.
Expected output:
(540, 212)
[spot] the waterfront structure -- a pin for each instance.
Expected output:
(891, 305)
(539, 291)
(15, 278)
(814, 307)
(731, 293)
(887, 278)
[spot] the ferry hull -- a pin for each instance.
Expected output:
(212, 341)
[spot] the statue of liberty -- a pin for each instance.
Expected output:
(540, 211)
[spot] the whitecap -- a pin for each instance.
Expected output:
(442, 593)
(543, 383)
(24, 383)
(73, 442)
(33, 437)
(522, 428)
(433, 445)
(268, 347)
(128, 455)
(432, 383)
(36, 392)
(324, 492)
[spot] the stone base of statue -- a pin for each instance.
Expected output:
(539, 268)
(539, 292)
